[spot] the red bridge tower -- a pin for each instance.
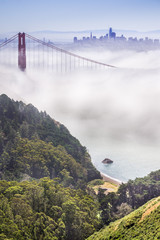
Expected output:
(21, 51)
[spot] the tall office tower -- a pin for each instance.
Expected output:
(110, 33)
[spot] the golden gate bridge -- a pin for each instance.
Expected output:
(43, 55)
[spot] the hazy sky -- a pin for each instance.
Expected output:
(62, 15)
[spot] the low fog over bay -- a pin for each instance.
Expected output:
(115, 112)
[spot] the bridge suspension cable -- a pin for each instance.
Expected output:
(8, 41)
(59, 60)
(68, 53)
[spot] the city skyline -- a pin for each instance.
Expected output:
(111, 35)
(113, 41)
(40, 15)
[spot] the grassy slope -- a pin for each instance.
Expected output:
(106, 185)
(143, 223)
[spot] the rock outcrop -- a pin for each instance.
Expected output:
(107, 161)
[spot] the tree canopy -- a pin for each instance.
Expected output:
(33, 143)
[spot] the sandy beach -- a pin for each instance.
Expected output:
(111, 179)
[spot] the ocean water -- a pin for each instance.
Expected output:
(130, 160)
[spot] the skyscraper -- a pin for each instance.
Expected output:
(112, 35)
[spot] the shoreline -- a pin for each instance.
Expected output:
(110, 179)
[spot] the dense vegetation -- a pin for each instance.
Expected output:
(129, 196)
(142, 224)
(46, 210)
(39, 159)
(50, 205)
(32, 142)
(45, 184)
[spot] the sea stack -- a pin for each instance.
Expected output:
(107, 161)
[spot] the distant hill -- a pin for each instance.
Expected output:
(143, 223)
(33, 143)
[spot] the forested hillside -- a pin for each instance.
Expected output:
(53, 204)
(45, 210)
(142, 224)
(32, 143)
(129, 197)
(45, 176)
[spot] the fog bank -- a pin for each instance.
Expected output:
(117, 106)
